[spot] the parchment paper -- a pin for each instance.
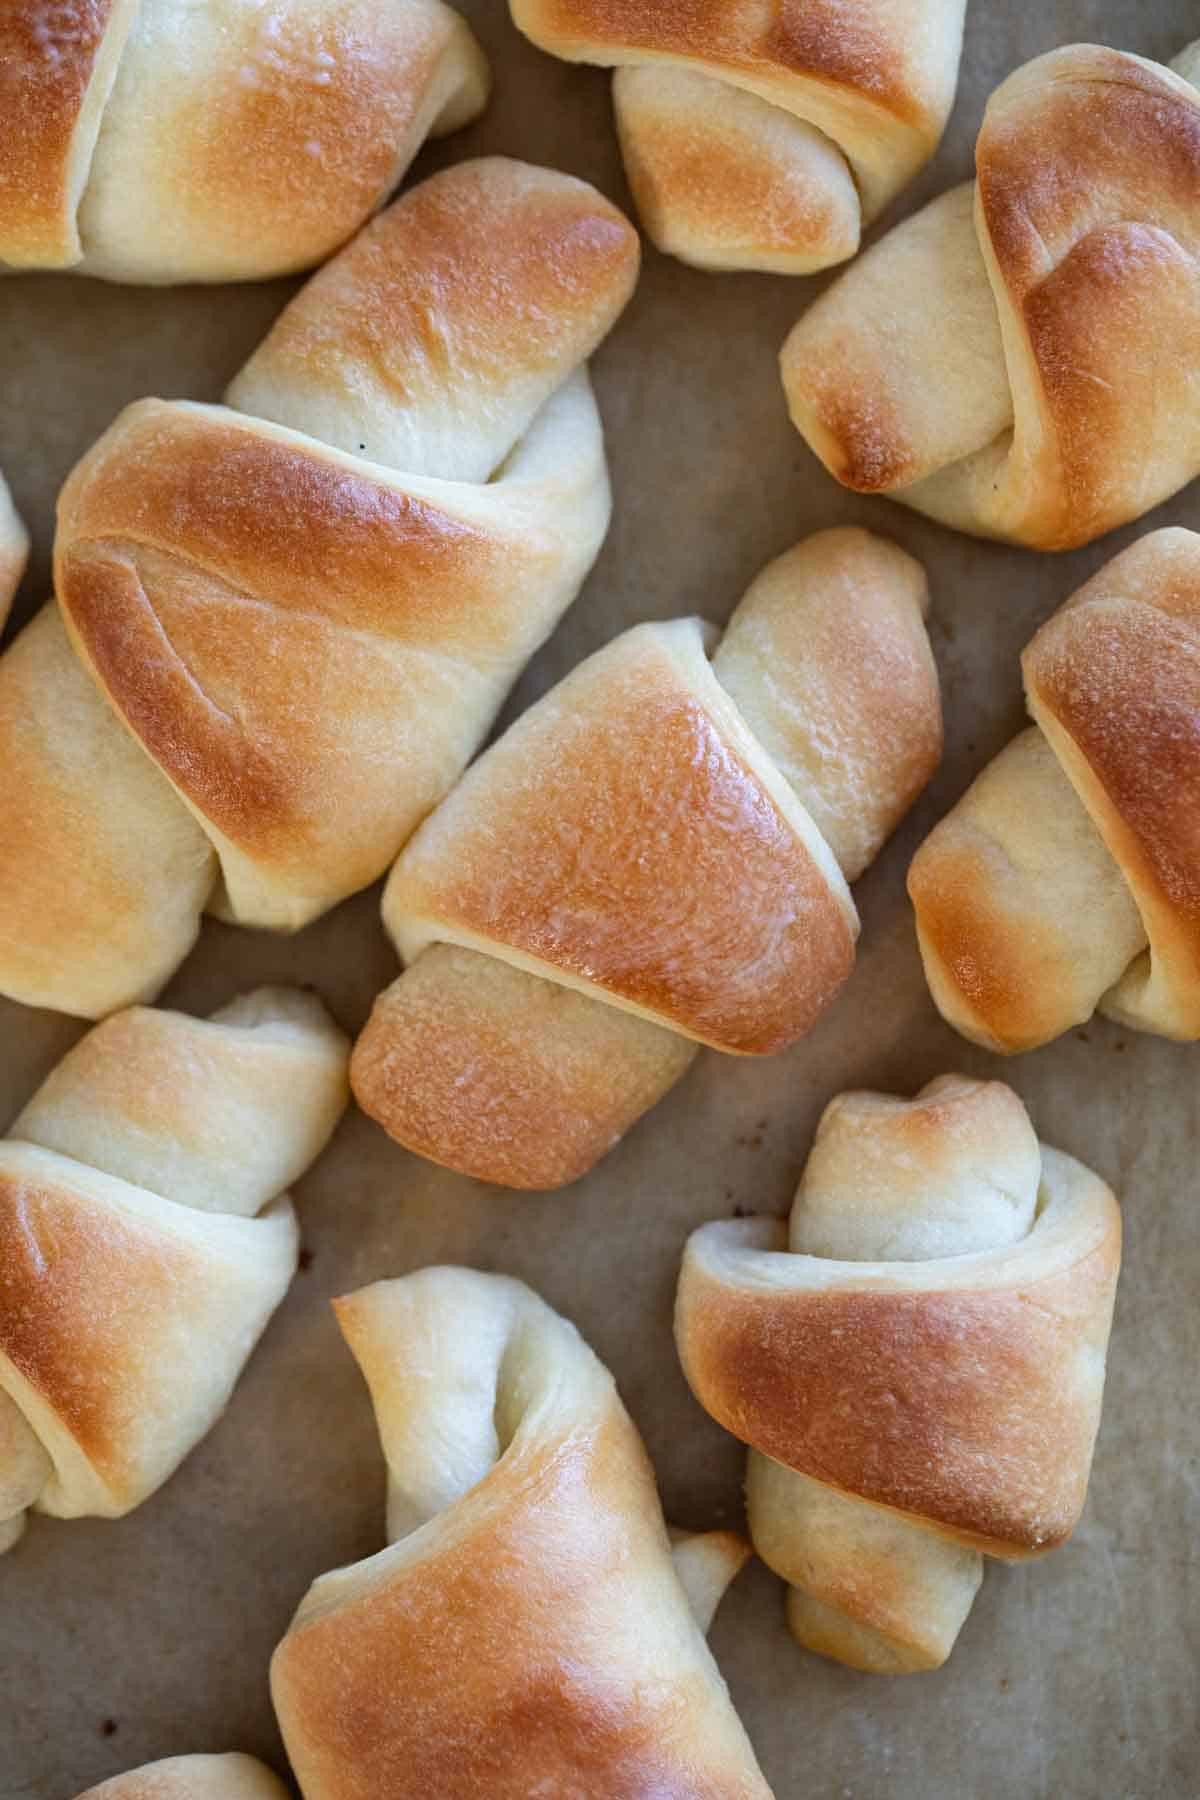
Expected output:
(1075, 1677)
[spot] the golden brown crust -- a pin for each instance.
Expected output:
(1006, 989)
(221, 1114)
(275, 617)
(46, 1344)
(98, 904)
(856, 367)
(1045, 116)
(1076, 849)
(971, 1403)
(850, 422)
(508, 1722)
(869, 51)
(134, 1278)
(125, 129)
(829, 660)
(1023, 918)
(1079, 260)
(572, 1663)
(291, 513)
(48, 60)
(649, 858)
(456, 315)
(762, 136)
(1116, 677)
(908, 1369)
(127, 1393)
(1065, 330)
(724, 180)
(194, 548)
(336, 102)
(489, 1071)
(663, 835)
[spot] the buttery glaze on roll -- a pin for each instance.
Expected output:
(656, 856)
(231, 1777)
(145, 140)
(529, 1629)
(765, 137)
(146, 1238)
(916, 1362)
(1021, 359)
(286, 624)
(1067, 878)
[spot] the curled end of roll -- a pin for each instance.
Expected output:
(867, 1587)
(531, 1540)
(484, 1068)
(219, 1114)
(828, 1631)
(707, 1564)
(960, 1390)
(724, 180)
(829, 660)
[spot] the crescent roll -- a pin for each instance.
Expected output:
(916, 1361)
(231, 1777)
(146, 1239)
(655, 857)
(527, 1630)
(1021, 359)
(1068, 876)
(286, 624)
(153, 141)
(765, 136)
